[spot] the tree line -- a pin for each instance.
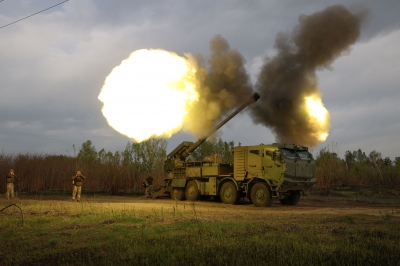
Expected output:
(355, 169)
(112, 172)
(123, 171)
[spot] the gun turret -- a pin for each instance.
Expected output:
(187, 147)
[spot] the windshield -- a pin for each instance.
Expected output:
(304, 155)
(291, 154)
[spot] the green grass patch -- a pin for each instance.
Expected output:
(58, 233)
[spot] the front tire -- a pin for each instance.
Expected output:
(229, 194)
(261, 195)
(192, 191)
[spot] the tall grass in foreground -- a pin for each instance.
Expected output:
(66, 233)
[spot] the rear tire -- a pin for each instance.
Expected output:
(178, 194)
(261, 195)
(229, 194)
(192, 191)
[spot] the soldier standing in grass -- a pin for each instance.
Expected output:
(77, 182)
(148, 184)
(10, 184)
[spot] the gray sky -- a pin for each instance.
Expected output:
(53, 65)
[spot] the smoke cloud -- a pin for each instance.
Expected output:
(194, 93)
(286, 79)
(224, 84)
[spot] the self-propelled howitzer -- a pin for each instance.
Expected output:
(258, 173)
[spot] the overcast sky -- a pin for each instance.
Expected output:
(53, 66)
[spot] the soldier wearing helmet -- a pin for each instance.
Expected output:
(77, 182)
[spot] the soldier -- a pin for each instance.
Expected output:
(10, 184)
(145, 185)
(148, 183)
(77, 182)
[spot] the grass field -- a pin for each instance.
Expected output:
(128, 230)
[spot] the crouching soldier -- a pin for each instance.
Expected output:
(77, 182)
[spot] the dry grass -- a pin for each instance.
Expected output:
(103, 230)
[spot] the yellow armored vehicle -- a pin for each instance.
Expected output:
(259, 173)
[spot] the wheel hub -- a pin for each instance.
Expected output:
(260, 194)
(191, 191)
(228, 194)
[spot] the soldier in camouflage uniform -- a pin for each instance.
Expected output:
(10, 184)
(77, 182)
(148, 184)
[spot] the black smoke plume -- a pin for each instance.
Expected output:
(288, 77)
(224, 84)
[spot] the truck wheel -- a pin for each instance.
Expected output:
(260, 195)
(178, 194)
(229, 194)
(192, 191)
(292, 199)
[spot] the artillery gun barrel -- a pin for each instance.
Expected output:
(193, 146)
